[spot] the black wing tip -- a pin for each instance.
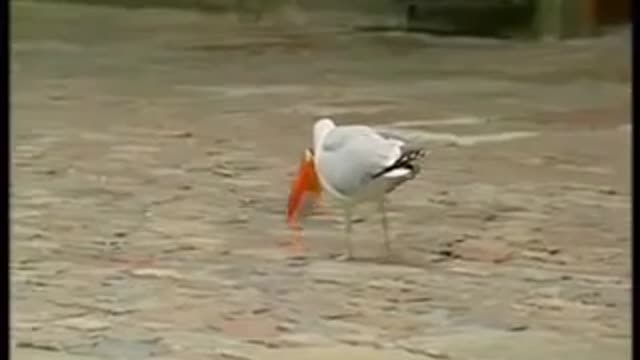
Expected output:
(409, 156)
(415, 154)
(405, 161)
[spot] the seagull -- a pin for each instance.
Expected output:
(354, 164)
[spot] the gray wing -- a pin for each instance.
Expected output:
(352, 155)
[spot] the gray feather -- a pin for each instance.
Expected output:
(353, 155)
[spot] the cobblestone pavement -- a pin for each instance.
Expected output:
(152, 154)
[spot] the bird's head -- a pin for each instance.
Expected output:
(320, 129)
(305, 189)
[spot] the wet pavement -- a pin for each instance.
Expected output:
(152, 155)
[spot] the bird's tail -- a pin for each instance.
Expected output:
(409, 155)
(406, 160)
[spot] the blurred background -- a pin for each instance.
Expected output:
(154, 143)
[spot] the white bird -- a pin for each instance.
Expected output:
(353, 164)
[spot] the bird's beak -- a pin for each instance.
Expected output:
(305, 190)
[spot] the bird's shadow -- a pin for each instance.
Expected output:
(394, 259)
(391, 259)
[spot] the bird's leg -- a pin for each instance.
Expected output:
(347, 234)
(385, 228)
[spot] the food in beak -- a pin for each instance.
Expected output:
(305, 190)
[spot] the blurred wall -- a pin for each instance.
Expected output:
(464, 17)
